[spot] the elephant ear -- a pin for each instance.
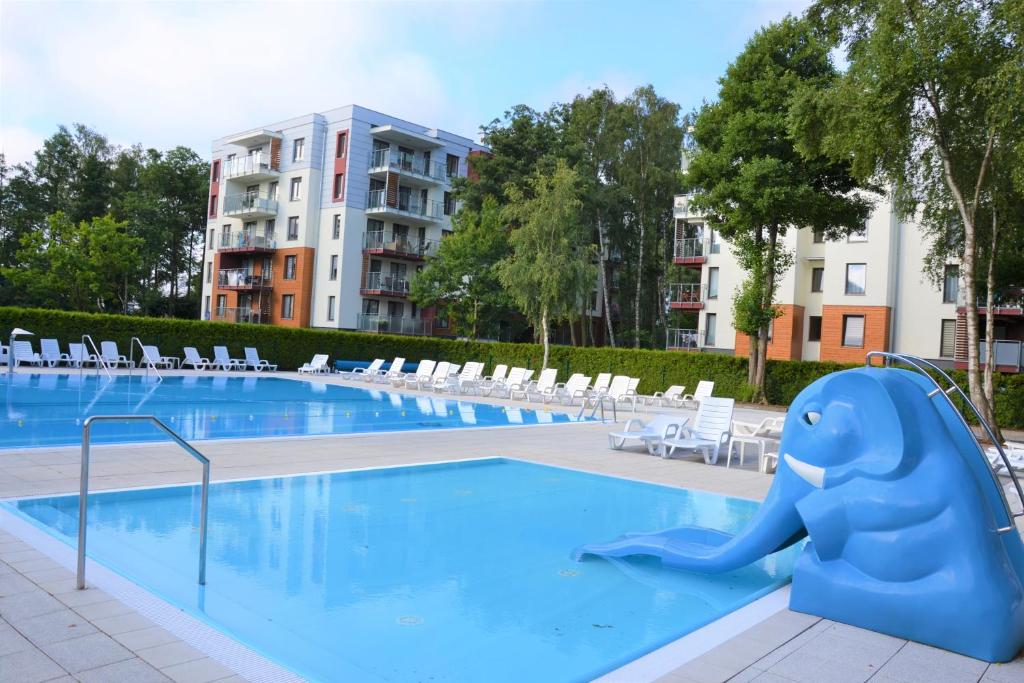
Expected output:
(869, 424)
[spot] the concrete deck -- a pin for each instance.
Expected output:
(51, 632)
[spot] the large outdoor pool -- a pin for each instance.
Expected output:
(48, 409)
(447, 572)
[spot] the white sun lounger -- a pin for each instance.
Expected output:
(316, 366)
(651, 432)
(440, 375)
(485, 384)
(23, 353)
(112, 357)
(567, 392)
(757, 435)
(424, 370)
(79, 357)
(704, 389)
(467, 378)
(365, 374)
(545, 384)
(51, 354)
(151, 358)
(222, 360)
(709, 433)
(193, 358)
(394, 371)
(253, 362)
(1014, 453)
(671, 397)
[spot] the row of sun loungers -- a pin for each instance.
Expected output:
(78, 356)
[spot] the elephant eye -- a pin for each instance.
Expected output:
(811, 417)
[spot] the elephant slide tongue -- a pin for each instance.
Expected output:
(688, 541)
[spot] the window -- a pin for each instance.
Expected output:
(819, 236)
(215, 173)
(295, 193)
(853, 330)
(272, 191)
(330, 308)
(859, 235)
(449, 204)
(710, 323)
(341, 147)
(712, 283)
(298, 149)
(209, 239)
(371, 306)
(289, 267)
(947, 340)
(269, 227)
(950, 284)
(225, 236)
(334, 266)
(209, 271)
(396, 309)
(288, 306)
(293, 227)
(445, 233)
(222, 303)
(339, 185)
(336, 230)
(856, 278)
(206, 307)
(715, 244)
(817, 279)
(213, 206)
(814, 328)
(452, 166)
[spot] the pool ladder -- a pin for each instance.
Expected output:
(926, 368)
(83, 495)
(143, 359)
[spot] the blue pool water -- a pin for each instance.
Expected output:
(48, 409)
(450, 572)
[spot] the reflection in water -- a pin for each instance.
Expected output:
(48, 409)
(318, 571)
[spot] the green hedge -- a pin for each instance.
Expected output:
(290, 348)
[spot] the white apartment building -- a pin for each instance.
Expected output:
(322, 220)
(840, 299)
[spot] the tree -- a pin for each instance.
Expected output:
(550, 266)
(463, 275)
(752, 181)
(917, 105)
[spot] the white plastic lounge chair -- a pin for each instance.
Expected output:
(671, 397)
(193, 358)
(439, 376)
(487, 383)
(518, 378)
(223, 360)
(704, 389)
(51, 354)
(151, 358)
(23, 353)
(651, 432)
(567, 392)
(756, 435)
(112, 357)
(394, 371)
(710, 431)
(79, 357)
(365, 374)
(468, 377)
(544, 385)
(617, 385)
(1014, 453)
(253, 362)
(424, 370)
(316, 366)
(621, 390)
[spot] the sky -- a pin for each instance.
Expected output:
(163, 74)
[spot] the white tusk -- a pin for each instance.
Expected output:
(812, 474)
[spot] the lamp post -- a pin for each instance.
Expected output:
(10, 348)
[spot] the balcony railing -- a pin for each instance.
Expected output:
(239, 315)
(250, 164)
(249, 203)
(687, 294)
(1007, 352)
(681, 338)
(376, 201)
(415, 164)
(243, 279)
(382, 282)
(691, 248)
(246, 240)
(377, 239)
(394, 324)
(1009, 301)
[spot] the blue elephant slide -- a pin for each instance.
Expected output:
(908, 531)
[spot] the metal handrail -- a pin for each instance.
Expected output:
(100, 362)
(145, 357)
(922, 366)
(600, 398)
(83, 494)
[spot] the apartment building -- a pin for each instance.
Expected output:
(840, 299)
(322, 220)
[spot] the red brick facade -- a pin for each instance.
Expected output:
(787, 335)
(876, 332)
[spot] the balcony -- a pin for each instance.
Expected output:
(1007, 302)
(239, 315)
(250, 205)
(243, 279)
(251, 167)
(377, 205)
(686, 297)
(681, 339)
(411, 166)
(690, 251)
(246, 242)
(1009, 354)
(394, 324)
(394, 246)
(381, 284)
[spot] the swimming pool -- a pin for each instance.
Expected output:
(446, 572)
(48, 409)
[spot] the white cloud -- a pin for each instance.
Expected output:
(18, 144)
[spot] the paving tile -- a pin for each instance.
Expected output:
(783, 651)
(769, 677)
(145, 638)
(34, 565)
(48, 575)
(129, 671)
(122, 623)
(54, 626)
(13, 583)
(28, 604)
(807, 667)
(22, 555)
(89, 596)
(922, 663)
(11, 641)
(1011, 672)
(169, 654)
(197, 671)
(101, 610)
(745, 676)
(88, 652)
(29, 666)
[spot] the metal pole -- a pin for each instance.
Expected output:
(202, 522)
(83, 496)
